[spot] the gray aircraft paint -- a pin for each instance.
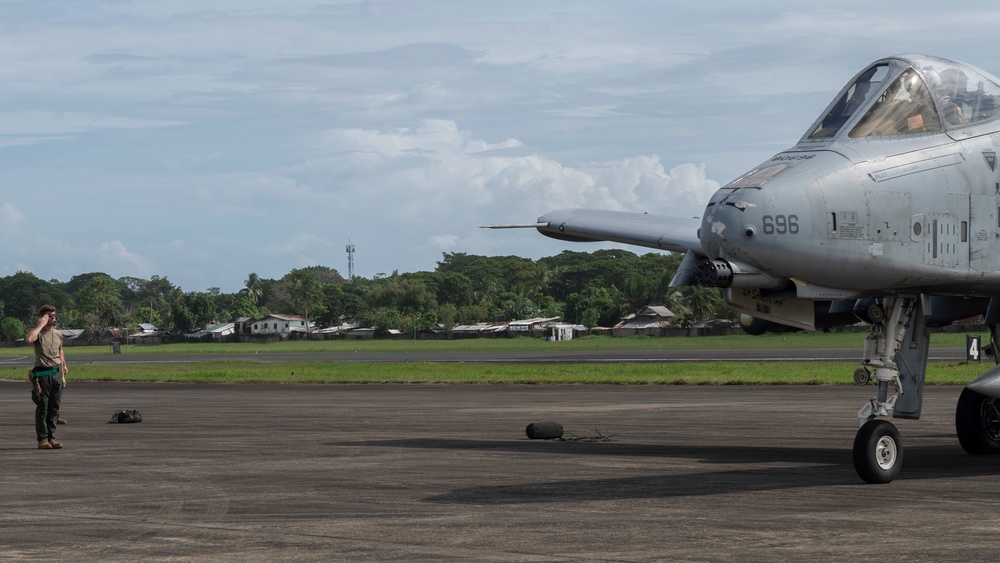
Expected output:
(887, 206)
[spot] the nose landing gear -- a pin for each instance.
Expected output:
(878, 452)
(895, 355)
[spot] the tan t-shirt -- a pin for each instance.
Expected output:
(47, 347)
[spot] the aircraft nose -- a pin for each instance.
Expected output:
(730, 221)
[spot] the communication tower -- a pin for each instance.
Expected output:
(350, 260)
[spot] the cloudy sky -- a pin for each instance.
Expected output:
(202, 140)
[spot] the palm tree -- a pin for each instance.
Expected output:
(488, 292)
(695, 304)
(676, 301)
(253, 290)
(541, 277)
(637, 291)
(305, 291)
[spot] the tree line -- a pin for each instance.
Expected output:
(592, 289)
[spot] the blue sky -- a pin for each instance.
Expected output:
(204, 140)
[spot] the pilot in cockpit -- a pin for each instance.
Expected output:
(905, 107)
(928, 95)
(954, 85)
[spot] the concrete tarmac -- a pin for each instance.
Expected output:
(446, 473)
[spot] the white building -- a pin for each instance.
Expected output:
(279, 324)
(528, 325)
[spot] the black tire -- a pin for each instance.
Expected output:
(977, 423)
(878, 452)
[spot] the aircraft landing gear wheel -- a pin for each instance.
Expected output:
(878, 452)
(977, 422)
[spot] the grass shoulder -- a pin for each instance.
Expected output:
(789, 341)
(701, 373)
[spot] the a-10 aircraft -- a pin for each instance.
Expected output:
(886, 211)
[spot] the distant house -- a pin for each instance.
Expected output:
(530, 325)
(524, 327)
(146, 333)
(111, 335)
(364, 333)
(243, 325)
(342, 329)
(71, 333)
(278, 324)
(478, 328)
(653, 316)
(215, 331)
(565, 331)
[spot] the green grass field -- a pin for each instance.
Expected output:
(710, 373)
(791, 341)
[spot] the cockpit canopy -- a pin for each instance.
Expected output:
(910, 94)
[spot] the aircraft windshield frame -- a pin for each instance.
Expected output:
(850, 99)
(907, 95)
(903, 108)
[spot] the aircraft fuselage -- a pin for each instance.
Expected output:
(886, 211)
(921, 218)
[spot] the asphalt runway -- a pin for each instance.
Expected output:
(446, 473)
(555, 356)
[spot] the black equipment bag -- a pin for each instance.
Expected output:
(126, 416)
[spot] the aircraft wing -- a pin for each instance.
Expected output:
(641, 229)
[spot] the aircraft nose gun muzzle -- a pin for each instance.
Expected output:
(714, 273)
(736, 274)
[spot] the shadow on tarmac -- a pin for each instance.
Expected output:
(815, 467)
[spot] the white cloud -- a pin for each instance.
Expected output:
(58, 123)
(112, 256)
(446, 243)
(438, 172)
(49, 252)
(15, 141)
(10, 219)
